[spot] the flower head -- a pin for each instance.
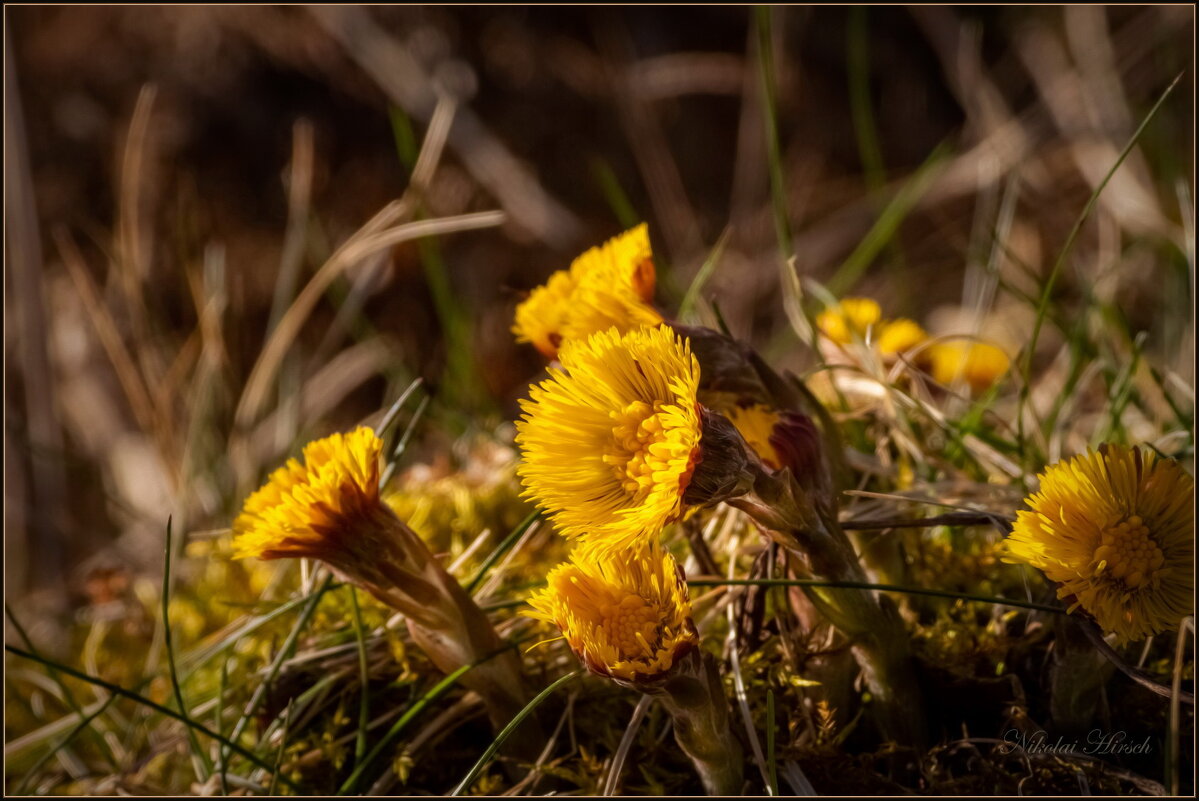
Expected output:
(625, 263)
(979, 364)
(756, 424)
(899, 335)
(850, 318)
(541, 318)
(312, 509)
(610, 285)
(1115, 529)
(610, 440)
(626, 614)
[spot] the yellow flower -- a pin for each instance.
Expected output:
(625, 263)
(626, 614)
(898, 336)
(756, 423)
(610, 440)
(850, 318)
(1115, 529)
(311, 509)
(979, 364)
(541, 317)
(610, 285)
(329, 508)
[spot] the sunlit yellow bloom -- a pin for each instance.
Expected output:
(541, 317)
(595, 307)
(626, 614)
(312, 509)
(979, 364)
(610, 285)
(624, 263)
(610, 440)
(1115, 529)
(756, 423)
(850, 318)
(329, 508)
(898, 336)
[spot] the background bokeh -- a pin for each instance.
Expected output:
(164, 167)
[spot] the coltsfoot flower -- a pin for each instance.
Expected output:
(899, 336)
(610, 440)
(780, 439)
(626, 614)
(850, 318)
(756, 423)
(979, 364)
(329, 508)
(608, 286)
(1115, 529)
(315, 508)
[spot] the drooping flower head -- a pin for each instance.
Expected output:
(610, 440)
(850, 318)
(608, 286)
(979, 364)
(1116, 530)
(625, 614)
(329, 508)
(311, 509)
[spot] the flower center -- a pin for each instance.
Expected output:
(1128, 553)
(631, 626)
(643, 449)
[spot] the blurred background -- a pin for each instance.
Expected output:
(174, 178)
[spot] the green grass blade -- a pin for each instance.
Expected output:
(778, 190)
(609, 186)
(364, 707)
(67, 695)
(500, 738)
(771, 765)
(203, 657)
(887, 224)
(850, 585)
(858, 63)
(402, 445)
(866, 585)
(84, 723)
(502, 549)
(1059, 262)
(461, 375)
(438, 690)
(394, 411)
(701, 277)
(284, 653)
(219, 725)
(159, 708)
(200, 761)
(282, 746)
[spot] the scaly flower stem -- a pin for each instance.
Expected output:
(694, 697)
(880, 643)
(453, 631)
(1076, 678)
